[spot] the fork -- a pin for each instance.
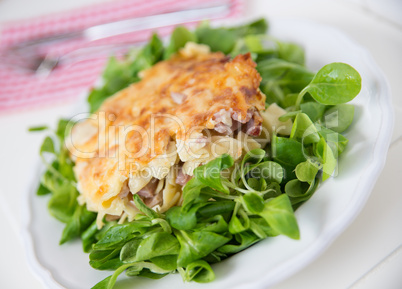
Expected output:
(25, 56)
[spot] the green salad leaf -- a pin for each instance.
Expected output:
(280, 78)
(210, 174)
(279, 215)
(180, 36)
(335, 83)
(77, 224)
(339, 117)
(314, 110)
(199, 271)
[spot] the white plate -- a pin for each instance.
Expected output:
(336, 203)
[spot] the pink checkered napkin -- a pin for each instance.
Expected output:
(19, 89)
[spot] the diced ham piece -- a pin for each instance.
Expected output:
(223, 128)
(125, 190)
(254, 126)
(149, 190)
(148, 195)
(178, 97)
(111, 218)
(223, 116)
(238, 118)
(155, 200)
(228, 122)
(182, 178)
(223, 120)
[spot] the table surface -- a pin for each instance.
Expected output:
(367, 255)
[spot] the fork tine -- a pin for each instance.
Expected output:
(46, 66)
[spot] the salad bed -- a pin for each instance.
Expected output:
(226, 207)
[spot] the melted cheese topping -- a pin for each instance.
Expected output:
(138, 133)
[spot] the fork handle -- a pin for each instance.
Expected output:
(156, 21)
(131, 25)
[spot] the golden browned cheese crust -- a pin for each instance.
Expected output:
(175, 98)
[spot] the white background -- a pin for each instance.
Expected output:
(367, 255)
